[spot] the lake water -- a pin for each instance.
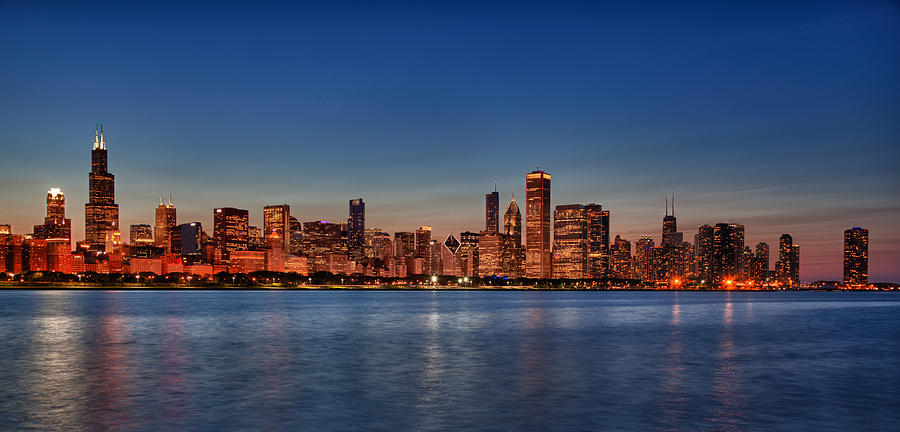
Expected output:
(397, 361)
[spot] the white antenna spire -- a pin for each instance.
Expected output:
(102, 140)
(96, 136)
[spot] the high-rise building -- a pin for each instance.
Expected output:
(490, 245)
(166, 221)
(728, 247)
(598, 240)
(404, 244)
(492, 210)
(703, 245)
(189, 242)
(645, 256)
(787, 268)
(512, 255)
(356, 228)
(856, 256)
(670, 234)
(5, 229)
(760, 263)
(537, 224)
(55, 227)
(141, 235)
(101, 213)
(296, 236)
(570, 242)
(231, 230)
(276, 222)
(468, 253)
(423, 247)
(620, 259)
(321, 238)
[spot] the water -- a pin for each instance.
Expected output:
(326, 360)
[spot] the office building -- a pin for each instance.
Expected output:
(231, 230)
(856, 256)
(166, 221)
(537, 224)
(356, 227)
(276, 222)
(570, 242)
(101, 213)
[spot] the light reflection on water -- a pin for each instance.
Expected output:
(448, 360)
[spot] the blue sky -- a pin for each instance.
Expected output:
(783, 116)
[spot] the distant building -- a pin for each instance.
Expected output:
(620, 259)
(166, 221)
(468, 253)
(645, 259)
(512, 255)
(101, 213)
(489, 249)
(537, 224)
(704, 254)
(405, 244)
(230, 230)
(321, 238)
(276, 221)
(492, 210)
(570, 242)
(787, 268)
(760, 263)
(856, 256)
(728, 246)
(423, 247)
(189, 239)
(356, 227)
(55, 227)
(598, 240)
(140, 235)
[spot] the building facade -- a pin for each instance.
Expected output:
(537, 224)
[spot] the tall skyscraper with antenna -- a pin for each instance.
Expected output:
(492, 210)
(670, 225)
(101, 213)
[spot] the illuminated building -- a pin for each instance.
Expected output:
(12, 253)
(36, 253)
(670, 234)
(787, 268)
(537, 224)
(140, 235)
(356, 227)
(321, 238)
(435, 247)
(165, 223)
(5, 229)
(760, 263)
(703, 246)
(276, 220)
(450, 265)
(570, 242)
(404, 244)
(856, 256)
(55, 227)
(512, 256)
(728, 246)
(489, 250)
(101, 213)
(468, 253)
(230, 230)
(645, 259)
(247, 261)
(423, 247)
(598, 240)
(620, 258)
(492, 210)
(189, 239)
(255, 238)
(296, 236)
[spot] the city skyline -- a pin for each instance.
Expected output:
(739, 130)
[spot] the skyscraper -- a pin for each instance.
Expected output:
(231, 229)
(537, 224)
(856, 256)
(356, 228)
(570, 242)
(787, 269)
(141, 235)
(761, 263)
(492, 210)
(511, 253)
(728, 247)
(404, 244)
(704, 254)
(423, 247)
(101, 213)
(56, 226)
(276, 222)
(165, 224)
(598, 240)
(620, 258)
